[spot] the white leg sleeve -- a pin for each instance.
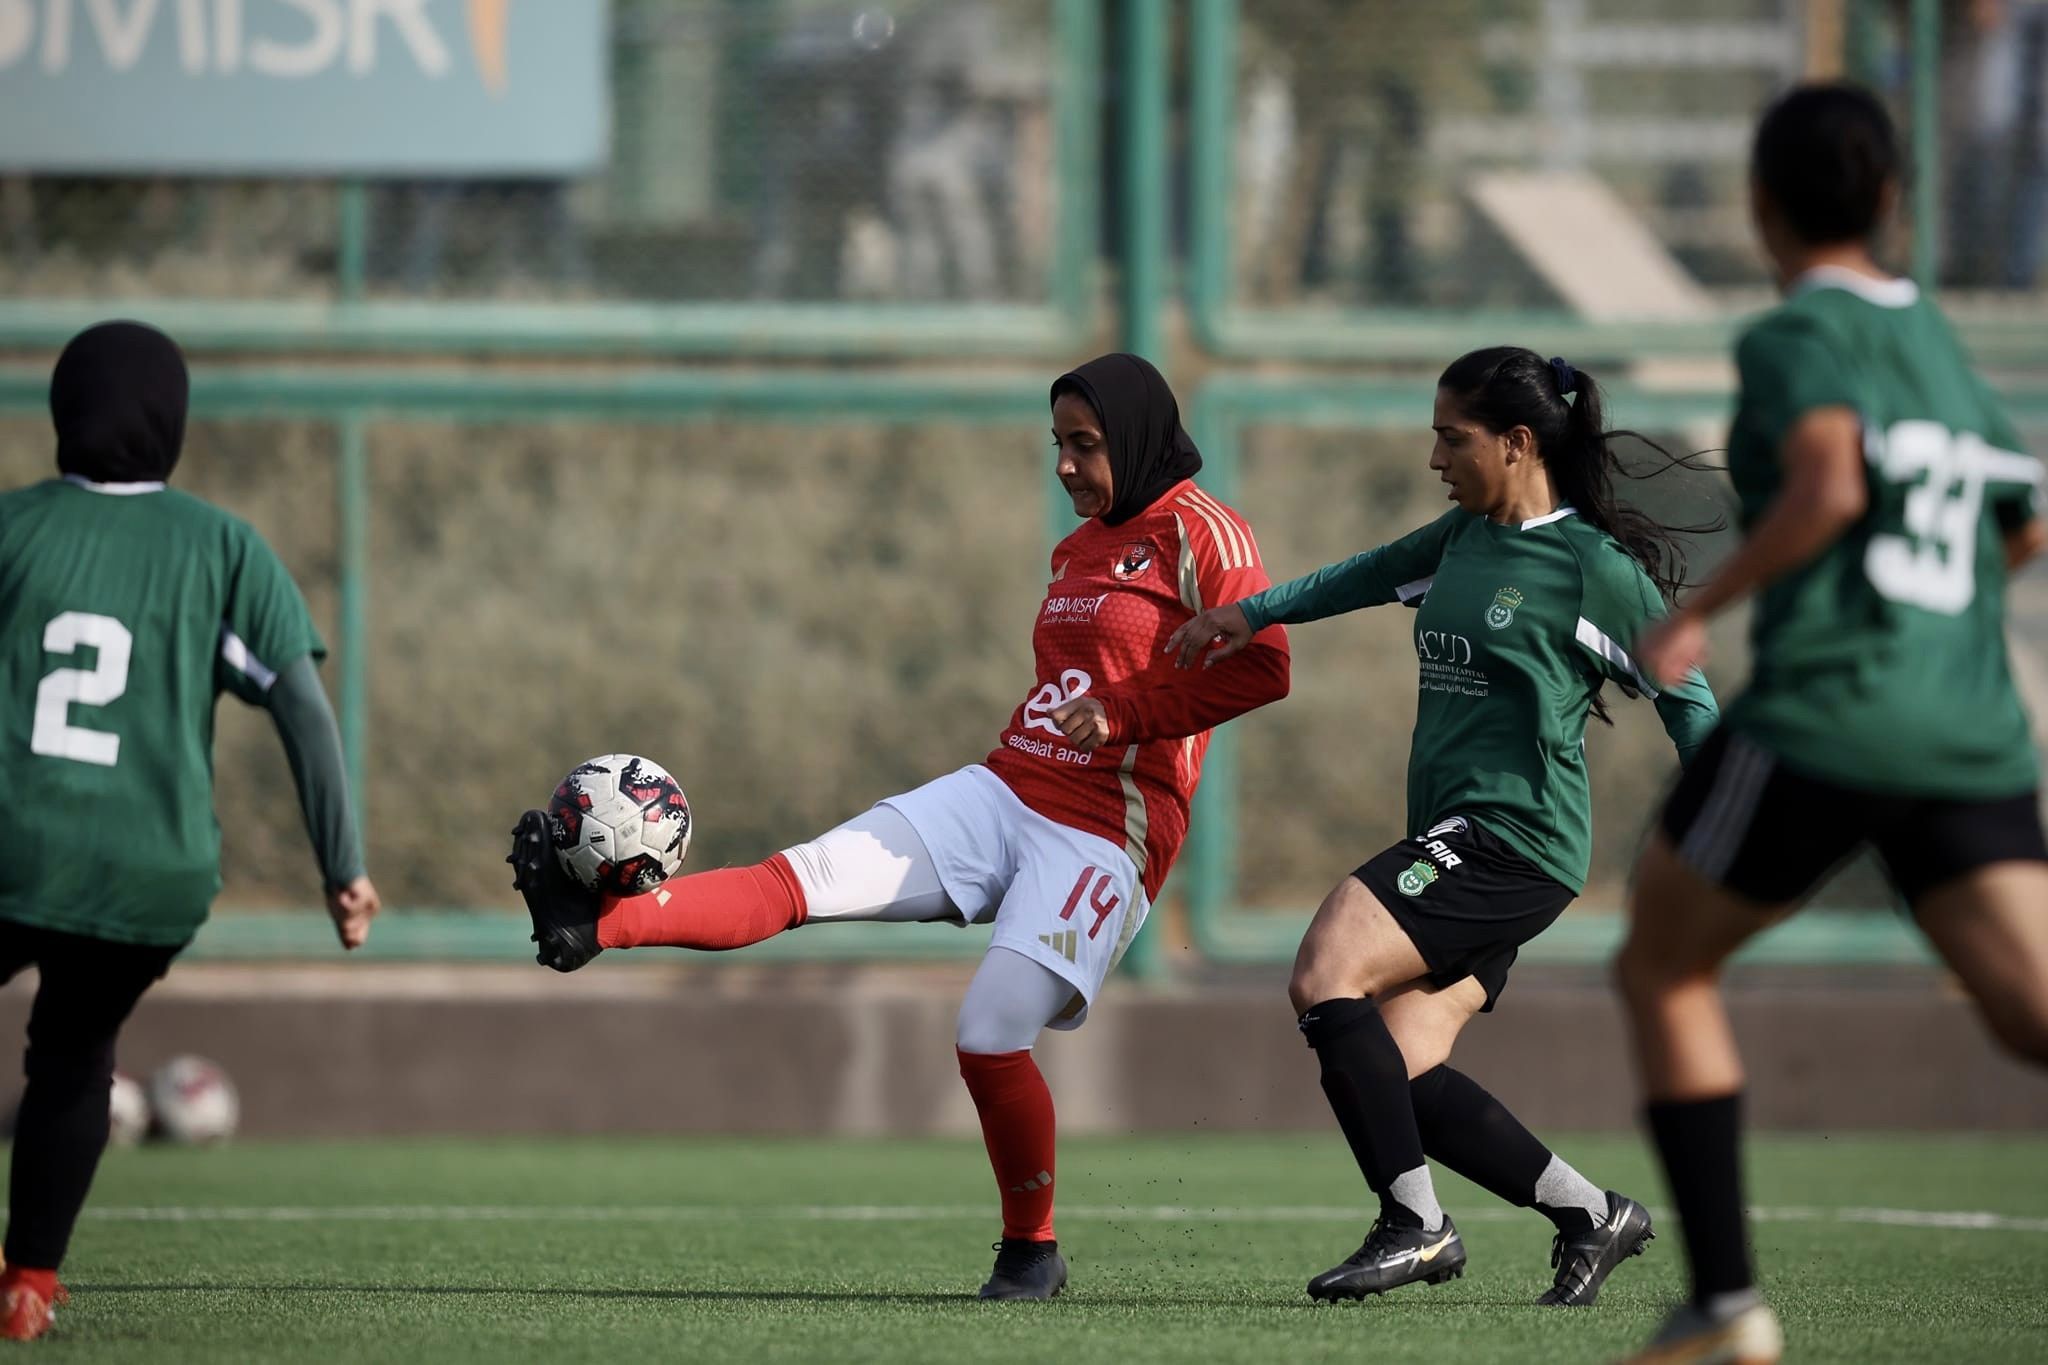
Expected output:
(872, 867)
(1010, 999)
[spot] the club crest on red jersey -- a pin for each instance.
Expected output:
(1135, 561)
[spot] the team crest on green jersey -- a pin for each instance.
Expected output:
(1416, 879)
(1501, 614)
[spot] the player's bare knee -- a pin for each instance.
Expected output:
(1316, 979)
(1641, 974)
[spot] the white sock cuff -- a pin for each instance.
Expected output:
(1416, 1192)
(1561, 1187)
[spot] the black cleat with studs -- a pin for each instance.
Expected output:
(1585, 1260)
(1392, 1256)
(1026, 1270)
(564, 913)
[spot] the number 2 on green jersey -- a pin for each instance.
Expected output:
(54, 735)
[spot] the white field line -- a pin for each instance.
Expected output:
(1960, 1219)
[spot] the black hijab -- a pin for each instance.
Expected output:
(117, 398)
(1148, 451)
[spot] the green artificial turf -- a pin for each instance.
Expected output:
(1183, 1249)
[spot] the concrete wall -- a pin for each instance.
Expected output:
(629, 1048)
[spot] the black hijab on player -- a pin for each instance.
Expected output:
(1149, 452)
(117, 398)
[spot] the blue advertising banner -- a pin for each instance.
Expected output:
(304, 87)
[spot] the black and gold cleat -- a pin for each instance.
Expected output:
(1584, 1261)
(1393, 1255)
(564, 913)
(1026, 1270)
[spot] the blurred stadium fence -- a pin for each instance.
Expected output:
(872, 233)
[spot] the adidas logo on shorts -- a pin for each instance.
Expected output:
(1062, 943)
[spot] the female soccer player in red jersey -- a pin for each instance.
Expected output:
(1061, 836)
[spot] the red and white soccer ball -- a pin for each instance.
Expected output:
(194, 1101)
(620, 824)
(127, 1111)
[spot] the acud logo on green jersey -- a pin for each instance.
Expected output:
(1417, 878)
(1501, 614)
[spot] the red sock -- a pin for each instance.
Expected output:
(729, 908)
(39, 1281)
(1017, 1126)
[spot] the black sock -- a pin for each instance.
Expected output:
(1700, 1143)
(1469, 1131)
(58, 1138)
(1366, 1082)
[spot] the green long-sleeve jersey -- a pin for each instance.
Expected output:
(125, 611)
(1517, 629)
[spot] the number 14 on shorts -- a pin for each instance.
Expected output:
(1101, 898)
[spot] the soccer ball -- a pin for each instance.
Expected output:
(620, 824)
(194, 1101)
(127, 1111)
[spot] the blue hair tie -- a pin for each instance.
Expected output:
(1567, 377)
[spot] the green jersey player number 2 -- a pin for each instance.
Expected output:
(122, 616)
(52, 733)
(126, 609)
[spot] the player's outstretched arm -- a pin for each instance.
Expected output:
(1399, 571)
(312, 742)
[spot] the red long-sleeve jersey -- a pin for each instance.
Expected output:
(1117, 592)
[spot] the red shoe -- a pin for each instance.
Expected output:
(27, 1302)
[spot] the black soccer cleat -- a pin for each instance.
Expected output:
(1026, 1270)
(1391, 1257)
(564, 913)
(1583, 1262)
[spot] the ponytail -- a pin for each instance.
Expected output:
(1503, 387)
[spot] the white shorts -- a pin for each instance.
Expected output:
(1067, 900)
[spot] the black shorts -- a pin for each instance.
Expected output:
(1466, 900)
(1748, 824)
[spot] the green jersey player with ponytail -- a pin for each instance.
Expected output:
(1527, 594)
